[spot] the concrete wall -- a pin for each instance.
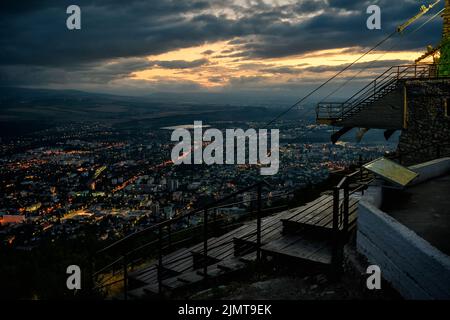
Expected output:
(430, 169)
(413, 266)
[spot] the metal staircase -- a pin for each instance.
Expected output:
(335, 112)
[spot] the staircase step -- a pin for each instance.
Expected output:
(318, 231)
(151, 289)
(301, 247)
(199, 257)
(249, 258)
(190, 277)
(231, 264)
(139, 293)
(243, 246)
(213, 271)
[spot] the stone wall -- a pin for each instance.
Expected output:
(427, 136)
(444, 61)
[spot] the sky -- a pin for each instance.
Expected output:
(139, 47)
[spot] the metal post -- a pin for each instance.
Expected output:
(215, 221)
(160, 262)
(335, 210)
(360, 166)
(258, 224)
(169, 230)
(346, 205)
(205, 244)
(125, 277)
(336, 258)
(91, 279)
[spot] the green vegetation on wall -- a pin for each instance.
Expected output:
(444, 61)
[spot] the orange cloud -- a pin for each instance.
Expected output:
(225, 64)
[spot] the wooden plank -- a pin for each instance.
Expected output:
(190, 277)
(232, 264)
(326, 212)
(265, 230)
(302, 248)
(222, 248)
(269, 234)
(325, 208)
(310, 209)
(325, 218)
(217, 251)
(282, 243)
(249, 258)
(151, 289)
(143, 272)
(225, 251)
(269, 230)
(213, 271)
(323, 255)
(353, 207)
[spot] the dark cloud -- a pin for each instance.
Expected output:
(284, 70)
(87, 73)
(34, 39)
(337, 28)
(179, 64)
(216, 79)
(80, 73)
(110, 29)
(357, 66)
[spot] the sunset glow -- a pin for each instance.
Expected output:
(220, 66)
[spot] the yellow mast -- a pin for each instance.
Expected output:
(423, 9)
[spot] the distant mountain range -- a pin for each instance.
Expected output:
(44, 107)
(24, 110)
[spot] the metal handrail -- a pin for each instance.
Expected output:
(338, 110)
(168, 223)
(178, 218)
(386, 76)
(184, 230)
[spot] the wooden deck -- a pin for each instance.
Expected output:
(301, 248)
(302, 233)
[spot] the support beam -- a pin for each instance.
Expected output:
(388, 133)
(405, 108)
(335, 136)
(360, 134)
